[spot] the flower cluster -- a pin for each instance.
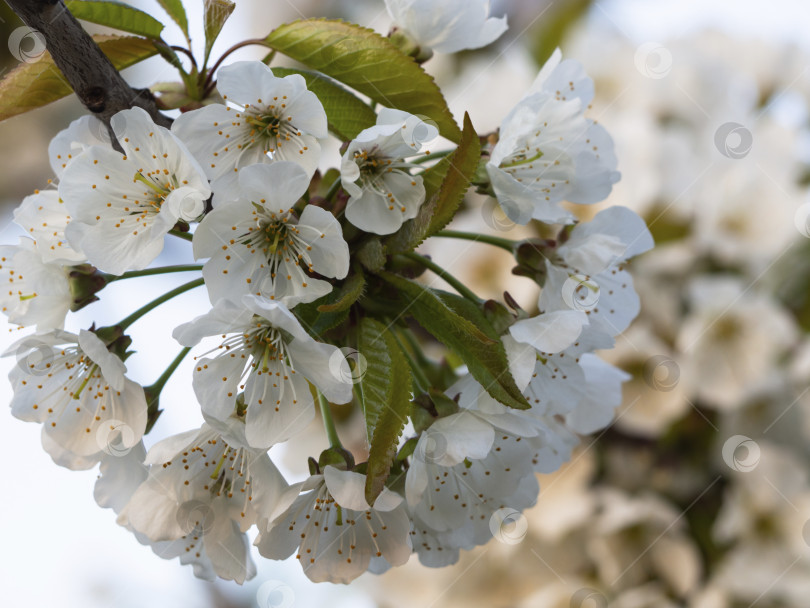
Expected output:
(301, 264)
(698, 495)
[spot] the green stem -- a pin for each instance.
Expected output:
(132, 274)
(328, 423)
(157, 387)
(183, 235)
(158, 301)
(422, 382)
(415, 347)
(460, 287)
(330, 194)
(431, 156)
(209, 83)
(507, 244)
(152, 392)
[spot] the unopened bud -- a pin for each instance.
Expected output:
(85, 282)
(409, 46)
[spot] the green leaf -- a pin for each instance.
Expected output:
(348, 294)
(555, 26)
(216, 14)
(175, 10)
(386, 389)
(35, 84)
(449, 179)
(461, 167)
(464, 308)
(346, 113)
(318, 322)
(116, 15)
(485, 356)
(368, 63)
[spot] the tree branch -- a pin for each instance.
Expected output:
(99, 86)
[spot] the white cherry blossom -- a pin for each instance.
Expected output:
(77, 390)
(608, 299)
(266, 353)
(574, 385)
(257, 244)
(123, 206)
(549, 152)
(382, 192)
(547, 442)
(337, 534)
(461, 472)
(120, 475)
(435, 549)
(612, 237)
(205, 488)
(35, 292)
(82, 133)
(733, 338)
(447, 26)
(44, 217)
(268, 119)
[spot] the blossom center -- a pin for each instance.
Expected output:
(157, 193)
(271, 124)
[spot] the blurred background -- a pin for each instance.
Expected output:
(698, 495)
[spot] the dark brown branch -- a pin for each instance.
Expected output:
(99, 86)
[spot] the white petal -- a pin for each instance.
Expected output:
(216, 383)
(82, 133)
(277, 408)
(225, 317)
(44, 217)
(166, 449)
(111, 366)
(330, 252)
(618, 225)
(119, 477)
(66, 458)
(522, 359)
(245, 81)
(550, 332)
(325, 366)
(347, 487)
(281, 184)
